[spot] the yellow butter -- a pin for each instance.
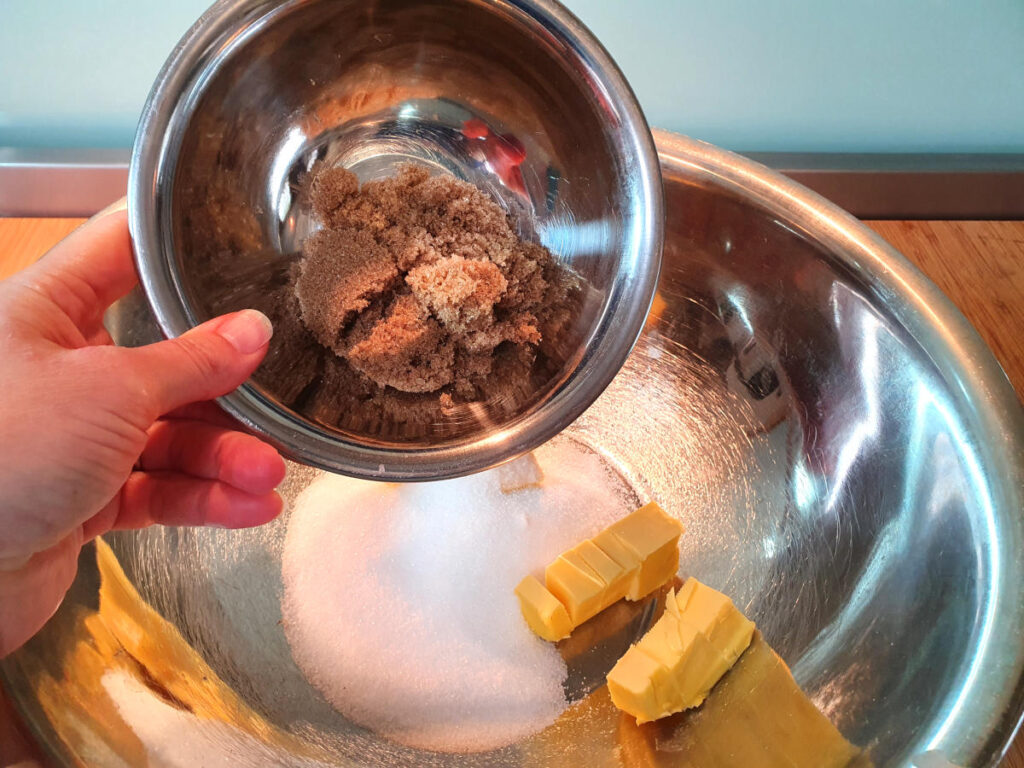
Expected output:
(543, 612)
(578, 588)
(618, 552)
(686, 668)
(714, 616)
(631, 684)
(694, 643)
(690, 665)
(653, 538)
(615, 577)
(756, 717)
(629, 559)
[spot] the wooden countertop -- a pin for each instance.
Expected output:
(978, 264)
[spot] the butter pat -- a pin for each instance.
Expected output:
(631, 684)
(653, 537)
(698, 638)
(616, 578)
(629, 559)
(755, 716)
(545, 615)
(579, 589)
(714, 616)
(689, 666)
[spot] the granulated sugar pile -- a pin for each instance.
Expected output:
(399, 603)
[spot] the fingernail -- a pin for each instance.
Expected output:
(247, 331)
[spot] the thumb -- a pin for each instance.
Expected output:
(210, 360)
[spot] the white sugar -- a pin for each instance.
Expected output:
(399, 603)
(174, 738)
(518, 475)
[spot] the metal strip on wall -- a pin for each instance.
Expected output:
(71, 182)
(905, 186)
(61, 182)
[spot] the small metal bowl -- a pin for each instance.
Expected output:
(262, 92)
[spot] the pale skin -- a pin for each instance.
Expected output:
(95, 437)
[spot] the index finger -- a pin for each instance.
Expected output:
(89, 270)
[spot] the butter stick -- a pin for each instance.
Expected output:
(697, 640)
(653, 537)
(546, 616)
(630, 559)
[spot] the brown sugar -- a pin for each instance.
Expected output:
(404, 348)
(459, 292)
(342, 272)
(419, 284)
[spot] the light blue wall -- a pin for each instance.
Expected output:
(783, 75)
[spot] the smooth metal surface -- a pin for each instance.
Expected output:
(895, 162)
(262, 92)
(910, 186)
(844, 451)
(60, 182)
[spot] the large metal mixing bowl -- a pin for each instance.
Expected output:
(844, 451)
(518, 98)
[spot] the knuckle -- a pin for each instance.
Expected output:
(199, 357)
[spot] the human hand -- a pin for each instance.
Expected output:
(97, 437)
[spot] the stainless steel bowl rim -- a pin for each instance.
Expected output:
(176, 88)
(987, 713)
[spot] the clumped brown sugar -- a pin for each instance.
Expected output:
(419, 284)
